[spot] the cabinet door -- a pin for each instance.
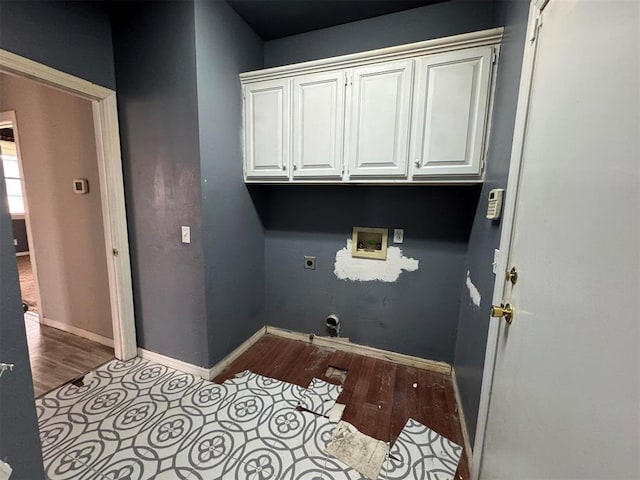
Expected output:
(266, 123)
(318, 125)
(452, 97)
(379, 125)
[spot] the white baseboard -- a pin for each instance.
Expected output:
(174, 363)
(463, 420)
(81, 332)
(243, 347)
(206, 373)
(345, 345)
(22, 254)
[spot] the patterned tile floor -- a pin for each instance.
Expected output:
(140, 420)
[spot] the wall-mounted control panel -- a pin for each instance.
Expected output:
(494, 208)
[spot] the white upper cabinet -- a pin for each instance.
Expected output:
(266, 123)
(318, 125)
(450, 112)
(380, 108)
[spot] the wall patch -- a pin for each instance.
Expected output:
(473, 292)
(370, 270)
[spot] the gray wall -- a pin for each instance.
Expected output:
(417, 314)
(473, 323)
(415, 25)
(437, 219)
(74, 37)
(155, 60)
(232, 233)
(19, 440)
(19, 227)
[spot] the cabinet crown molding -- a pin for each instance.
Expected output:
(481, 38)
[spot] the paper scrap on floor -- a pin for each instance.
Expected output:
(357, 450)
(320, 397)
(419, 452)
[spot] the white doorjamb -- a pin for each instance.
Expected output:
(513, 181)
(105, 117)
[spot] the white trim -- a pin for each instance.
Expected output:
(492, 36)
(80, 332)
(111, 184)
(202, 372)
(22, 254)
(346, 346)
(463, 419)
(219, 367)
(174, 363)
(520, 127)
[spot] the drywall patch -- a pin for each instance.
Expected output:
(474, 294)
(370, 270)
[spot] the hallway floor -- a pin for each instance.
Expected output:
(27, 282)
(141, 420)
(57, 357)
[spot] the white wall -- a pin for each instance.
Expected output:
(58, 144)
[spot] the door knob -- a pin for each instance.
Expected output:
(505, 311)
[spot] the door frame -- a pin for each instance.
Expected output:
(105, 120)
(513, 183)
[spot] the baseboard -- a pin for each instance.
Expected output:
(81, 332)
(22, 254)
(206, 373)
(341, 344)
(243, 347)
(463, 419)
(174, 363)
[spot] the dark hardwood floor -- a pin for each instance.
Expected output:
(57, 357)
(380, 396)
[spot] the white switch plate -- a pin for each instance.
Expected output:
(496, 256)
(186, 234)
(398, 235)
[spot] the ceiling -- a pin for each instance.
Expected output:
(272, 19)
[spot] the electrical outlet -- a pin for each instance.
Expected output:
(186, 234)
(309, 263)
(398, 235)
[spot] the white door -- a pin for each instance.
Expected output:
(452, 98)
(379, 127)
(267, 136)
(318, 125)
(565, 400)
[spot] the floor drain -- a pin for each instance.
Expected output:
(336, 373)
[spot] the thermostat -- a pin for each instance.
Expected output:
(495, 203)
(80, 186)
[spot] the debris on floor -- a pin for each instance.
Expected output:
(335, 414)
(336, 373)
(357, 450)
(320, 397)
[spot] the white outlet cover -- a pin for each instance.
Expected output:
(398, 235)
(186, 234)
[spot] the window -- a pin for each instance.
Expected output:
(12, 177)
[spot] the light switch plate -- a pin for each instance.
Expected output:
(186, 234)
(398, 235)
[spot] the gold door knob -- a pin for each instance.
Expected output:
(503, 311)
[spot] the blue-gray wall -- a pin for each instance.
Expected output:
(417, 314)
(155, 58)
(473, 323)
(232, 233)
(415, 25)
(19, 439)
(74, 37)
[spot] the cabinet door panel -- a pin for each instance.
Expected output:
(267, 139)
(318, 124)
(452, 97)
(379, 130)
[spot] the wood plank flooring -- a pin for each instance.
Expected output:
(57, 357)
(380, 396)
